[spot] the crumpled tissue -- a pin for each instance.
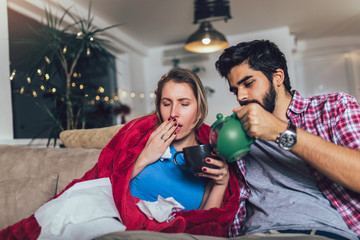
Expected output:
(167, 154)
(161, 210)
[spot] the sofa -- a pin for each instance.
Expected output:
(30, 176)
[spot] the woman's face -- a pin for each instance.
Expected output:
(178, 101)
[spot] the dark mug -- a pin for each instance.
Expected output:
(195, 157)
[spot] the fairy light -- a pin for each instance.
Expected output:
(34, 93)
(22, 89)
(97, 98)
(42, 87)
(53, 90)
(124, 93)
(75, 74)
(47, 76)
(79, 34)
(101, 90)
(91, 39)
(112, 101)
(152, 95)
(106, 98)
(132, 94)
(39, 72)
(12, 74)
(141, 95)
(64, 50)
(88, 52)
(28, 79)
(81, 86)
(47, 60)
(73, 84)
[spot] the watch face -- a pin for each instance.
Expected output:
(287, 140)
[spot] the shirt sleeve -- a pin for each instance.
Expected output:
(346, 130)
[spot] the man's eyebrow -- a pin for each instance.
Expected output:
(240, 82)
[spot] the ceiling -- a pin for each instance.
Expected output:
(161, 22)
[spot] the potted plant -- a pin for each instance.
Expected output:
(61, 55)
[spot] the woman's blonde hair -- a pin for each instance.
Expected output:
(183, 75)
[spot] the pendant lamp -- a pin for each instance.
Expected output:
(206, 39)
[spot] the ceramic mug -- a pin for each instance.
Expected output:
(195, 157)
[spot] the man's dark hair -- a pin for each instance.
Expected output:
(261, 55)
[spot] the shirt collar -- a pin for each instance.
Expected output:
(298, 103)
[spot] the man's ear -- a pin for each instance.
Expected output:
(278, 77)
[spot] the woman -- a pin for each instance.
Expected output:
(181, 108)
(180, 111)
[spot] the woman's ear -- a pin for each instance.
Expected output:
(278, 77)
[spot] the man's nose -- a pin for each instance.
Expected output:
(241, 95)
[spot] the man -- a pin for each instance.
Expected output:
(302, 173)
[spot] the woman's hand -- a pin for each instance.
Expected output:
(219, 176)
(215, 190)
(156, 145)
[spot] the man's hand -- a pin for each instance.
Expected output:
(259, 123)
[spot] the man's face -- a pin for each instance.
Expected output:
(249, 86)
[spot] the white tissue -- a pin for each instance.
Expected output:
(161, 210)
(167, 154)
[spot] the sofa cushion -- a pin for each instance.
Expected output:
(69, 163)
(21, 197)
(88, 138)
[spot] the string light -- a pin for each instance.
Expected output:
(47, 76)
(53, 90)
(28, 79)
(34, 93)
(47, 60)
(101, 90)
(12, 74)
(64, 50)
(132, 95)
(39, 72)
(81, 86)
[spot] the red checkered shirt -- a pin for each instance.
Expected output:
(336, 118)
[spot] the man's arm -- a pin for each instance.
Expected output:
(339, 163)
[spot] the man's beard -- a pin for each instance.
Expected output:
(268, 100)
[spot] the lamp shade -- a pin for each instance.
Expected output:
(206, 40)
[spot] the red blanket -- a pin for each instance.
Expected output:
(116, 162)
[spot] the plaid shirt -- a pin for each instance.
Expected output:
(336, 118)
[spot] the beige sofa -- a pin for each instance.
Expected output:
(30, 176)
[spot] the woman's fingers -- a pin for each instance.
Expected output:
(219, 175)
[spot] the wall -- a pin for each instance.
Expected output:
(329, 65)
(6, 129)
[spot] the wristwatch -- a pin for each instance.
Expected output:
(287, 139)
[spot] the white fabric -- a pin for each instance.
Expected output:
(167, 154)
(84, 211)
(161, 210)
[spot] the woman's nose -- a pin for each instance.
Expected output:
(174, 111)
